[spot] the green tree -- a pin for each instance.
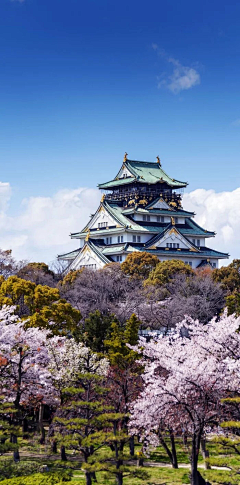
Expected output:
(96, 329)
(119, 354)
(40, 305)
(233, 303)
(71, 277)
(139, 264)
(228, 276)
(125, 374)
(230, 442)
(8, 427)
(166, 270)
(80, 421)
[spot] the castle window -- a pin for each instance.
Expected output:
(198, 242)
(119, 258)
(146, 218)
(160, 219)
(214, 265)
(120, 239)
(176, 220)
(193, 240)
(109, 240)
(136, 238)
(188, 262)
(102, 224)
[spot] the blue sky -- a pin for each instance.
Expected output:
(83, 82)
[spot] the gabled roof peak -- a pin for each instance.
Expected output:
(142, 172)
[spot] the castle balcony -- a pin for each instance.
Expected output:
(143, 196)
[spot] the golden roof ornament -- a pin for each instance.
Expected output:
(102, 198)
(125, 157)
(88, 235)
(158, 161)
(173, 221)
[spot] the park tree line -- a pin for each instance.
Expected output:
(75, 373)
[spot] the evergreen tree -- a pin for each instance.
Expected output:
(96, 329)
(81, 419)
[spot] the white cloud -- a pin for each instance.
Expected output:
(42, 229)
(218, 212)
(182, 77)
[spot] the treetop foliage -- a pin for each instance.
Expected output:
(40, 305)
(166, 270)
(139, 264)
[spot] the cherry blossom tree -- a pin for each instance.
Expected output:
(24, 377)
(186, 375)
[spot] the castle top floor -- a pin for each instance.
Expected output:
(140, 182)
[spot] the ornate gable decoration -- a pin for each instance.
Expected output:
(173, 237)
(102, 219)
(88, 258)
(124, 172)
(160, 204)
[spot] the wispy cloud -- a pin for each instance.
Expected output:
(182, 77)
(236, 122)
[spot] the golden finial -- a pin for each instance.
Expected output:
(173, 221)
(158, 160)
(102, 198)
(125, 157)
(88, 235)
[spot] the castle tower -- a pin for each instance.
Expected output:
(141, 210)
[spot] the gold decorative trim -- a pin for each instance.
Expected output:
(173, 231)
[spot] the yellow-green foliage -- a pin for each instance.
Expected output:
(39, 304)
(118, 352)
(165, 270)
(71, 277)
(139, 264)
(39, 479)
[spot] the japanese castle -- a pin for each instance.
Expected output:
(141, 210)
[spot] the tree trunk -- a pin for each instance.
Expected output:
(16, 456)
(25, 425)
(119, 478)
(185, 439)
(174, 453)
(131, 445)
(88, 478)
(41, 427)
(54, 446)
(63, 454)
(93, 476)
(205, 453)
(196, 478)
(194, 461)
(168, 451)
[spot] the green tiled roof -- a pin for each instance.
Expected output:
(98, 252)
(164, 212)
(204, 252)
(69, 256)
(192, 228)
(143, 172)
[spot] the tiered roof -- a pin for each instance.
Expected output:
(143, 173)
(121, 214)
